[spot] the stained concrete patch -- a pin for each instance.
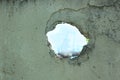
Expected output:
(106, 21)
(100, 3)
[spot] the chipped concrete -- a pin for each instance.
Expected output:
(24, 54)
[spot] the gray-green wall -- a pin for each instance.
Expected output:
(24, 54)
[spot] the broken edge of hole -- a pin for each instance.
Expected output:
(86, 49)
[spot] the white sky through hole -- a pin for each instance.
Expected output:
(66, 39)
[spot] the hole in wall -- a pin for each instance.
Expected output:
(66, 40)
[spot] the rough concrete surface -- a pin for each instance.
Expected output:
(24, 54)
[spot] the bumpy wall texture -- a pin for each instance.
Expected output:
(24, 54)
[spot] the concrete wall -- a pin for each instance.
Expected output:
(24, 54)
